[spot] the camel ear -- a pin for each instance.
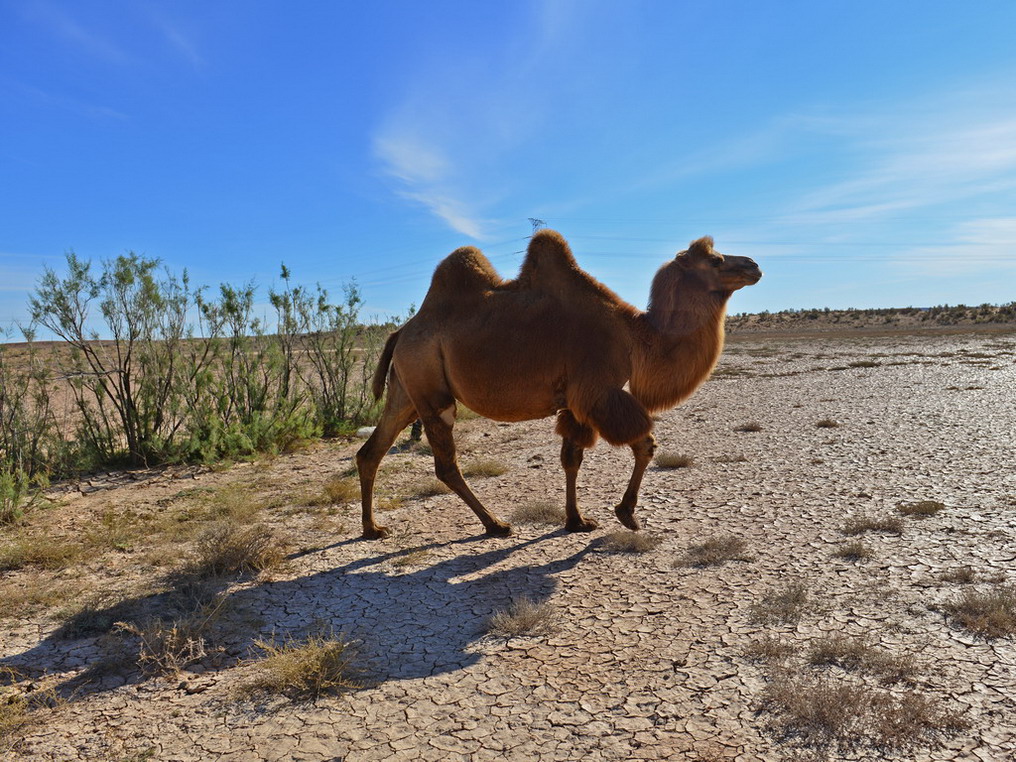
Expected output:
(703, 247)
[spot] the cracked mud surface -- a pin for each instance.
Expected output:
(648, 660)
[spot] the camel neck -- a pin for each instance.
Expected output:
(677, 351)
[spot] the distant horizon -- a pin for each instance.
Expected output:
(833, 143)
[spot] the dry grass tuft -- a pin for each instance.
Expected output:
(20, 702)
(860, 524)
(228, 548)
(783, 605)
(523, 617)
(714, 552)
(484, 468)
(428, 488)
(963, 575)
(827, 423)
(730, 459)
(39, 551)
(854, 551)
(320, 664)
(921, 509)
(166, 647)
(626, 541)
(769, 649)
(864, 364)
(751, 426)
(674, 460)
(538, 512)
(991, 614)
(822, 713)
(857, 655)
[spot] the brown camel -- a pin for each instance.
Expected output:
(552, 341)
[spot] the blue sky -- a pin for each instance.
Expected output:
(863, 152)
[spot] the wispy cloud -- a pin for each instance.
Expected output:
(176, 37)
(62, 24)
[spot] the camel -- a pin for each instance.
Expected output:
(553, 341)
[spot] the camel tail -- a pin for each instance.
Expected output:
(383, 364)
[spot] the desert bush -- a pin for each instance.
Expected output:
(854, 551)
(166, 647)
(921, 509)
(858, 655)
(229, 548)
(991, 613)
(538, 512)
(308, 668)
(487, 467)
(714, 552)
(523, 617)
(626, 541)
(674, 460)
(860, 524)
(785, 605)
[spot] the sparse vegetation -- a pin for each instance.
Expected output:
(860, 524)
(166, 647)
(230, 548)
(827, 423)
(538, 512)
(730, 459)
(858, 655)
(769, 649)
(308, 668)
(854, 551)
(485, 467)
(429, 488)
(921, 508)
(822, 713)
(716, 551)
(674, 460)
(784, 605)
(20, 702)
(963, 575)
(991, 613)
(523, 617)
(751, 426)
(626, 541)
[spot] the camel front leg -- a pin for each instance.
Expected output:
(643, 451)
(571, 459)
(398, 413)
(446, 468)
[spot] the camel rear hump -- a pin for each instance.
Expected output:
(463, 272)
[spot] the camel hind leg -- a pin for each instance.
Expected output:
(398, 413)
(576, 438)
(438, 426)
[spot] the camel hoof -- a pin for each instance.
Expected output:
(376, 533)
(628, 518)
(499, 530)
(583, 525)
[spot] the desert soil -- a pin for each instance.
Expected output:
(649, 658)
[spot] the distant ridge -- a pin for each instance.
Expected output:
(943, 317)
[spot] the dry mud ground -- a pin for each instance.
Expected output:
(649, 660)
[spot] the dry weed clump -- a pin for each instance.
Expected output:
(538, 512)
(821, 713)
(963, 575)
(921, 509)
(784, 605)
(38, 551)
(166, 647)
(428, 488)
(827, 423)
(523, 617)
(627, 541)
(991, 614)
(751, 426)
(730, 459)
(20, 702)
(309, 668)
(228, 548)
(860, 524)
(858, 655)
(768, 649)
(714, 552)
(484, 468)
(854, 551)
(674, 460)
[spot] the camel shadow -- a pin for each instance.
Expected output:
(409, 624)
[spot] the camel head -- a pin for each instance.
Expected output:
(717, 273)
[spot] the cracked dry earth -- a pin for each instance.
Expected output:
(648, 659)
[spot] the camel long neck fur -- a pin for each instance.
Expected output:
(678, 341)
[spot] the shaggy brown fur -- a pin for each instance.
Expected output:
(554, 340)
